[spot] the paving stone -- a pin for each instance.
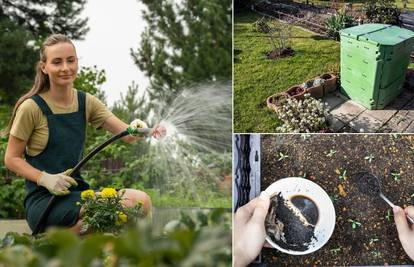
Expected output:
(366, 123)
(335, 124)
(333, 100)
(400, 122)
(347, 111)
(410, 128)
(383, 115)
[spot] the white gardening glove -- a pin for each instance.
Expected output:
(137, 124)
(57, 184)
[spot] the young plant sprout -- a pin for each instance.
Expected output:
(334, 198)
(412, 196)
(343, 175)
(396, 176)
(376, 253)
(395, 136)
(355, 224)
(305, 136)
(389, 215)
(335, 251)
(370, 158)
(373, 240)
(282, 156)
(331, 153)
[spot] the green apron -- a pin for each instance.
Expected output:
(63, 151)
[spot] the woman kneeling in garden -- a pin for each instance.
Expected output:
(48, 126)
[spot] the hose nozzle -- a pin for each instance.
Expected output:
(138, 131)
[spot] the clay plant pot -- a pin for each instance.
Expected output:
(274, 102)
(316, 91)
(297, 92)
(330, 82)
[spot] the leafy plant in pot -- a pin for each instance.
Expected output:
(314, 87)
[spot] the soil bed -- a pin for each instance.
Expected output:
(286, 52)
(330, 161)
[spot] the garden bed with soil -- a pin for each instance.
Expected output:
(365, 233)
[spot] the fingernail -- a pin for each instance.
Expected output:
(264, 195)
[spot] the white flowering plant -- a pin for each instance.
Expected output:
(103, 211)
(303, 116)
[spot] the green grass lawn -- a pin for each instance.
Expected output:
(256, 78)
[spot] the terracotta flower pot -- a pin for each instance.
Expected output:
(330, 82)
(315, 91)
(275, 101)
(297, 92)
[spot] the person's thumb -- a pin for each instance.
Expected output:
(262, 208)
(401, 221)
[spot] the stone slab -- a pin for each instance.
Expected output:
(347, 111)
(333, 100)
(365, 123)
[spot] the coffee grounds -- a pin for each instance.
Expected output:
(367, 183)
(285, 228)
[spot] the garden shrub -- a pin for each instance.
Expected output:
(339, 22)
(382, 11)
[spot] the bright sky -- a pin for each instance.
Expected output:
(115, 27)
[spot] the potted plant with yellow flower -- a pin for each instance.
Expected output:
(104, 212)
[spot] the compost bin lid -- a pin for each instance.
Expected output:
(382, 34)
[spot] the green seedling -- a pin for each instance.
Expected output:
(334, 198)
(282, 156)
(376, 253)
(305, 136)
(395, 136)
(355, 224)
(370, 158)
(396, 176)
(373, 240)
(331, 153)
(343, 175)
(389, 215)
(335, 251)
(412, 196)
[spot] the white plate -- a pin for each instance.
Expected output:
(289, 187)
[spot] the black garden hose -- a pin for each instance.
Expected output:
(41, 224)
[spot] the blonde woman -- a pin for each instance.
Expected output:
(48, 127)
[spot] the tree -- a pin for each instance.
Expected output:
(90, 79)
(183, 43)
(24, 24)
(43, 17)
(17, 58)
(132, 106)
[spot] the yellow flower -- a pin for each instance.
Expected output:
(108, 192)
(122, 218)
(87, 194)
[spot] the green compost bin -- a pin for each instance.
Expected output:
(374, 59)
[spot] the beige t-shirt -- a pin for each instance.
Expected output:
(30, 124)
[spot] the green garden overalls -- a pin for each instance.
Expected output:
(63, 151)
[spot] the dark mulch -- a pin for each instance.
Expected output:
(375, 242)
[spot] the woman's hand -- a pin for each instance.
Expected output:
(405, 231)
(57, 184)
(249, 230)
(158, 131)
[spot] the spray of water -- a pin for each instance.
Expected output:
(198, 140)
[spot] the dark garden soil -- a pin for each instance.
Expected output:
(286, 52)
(333, 161)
